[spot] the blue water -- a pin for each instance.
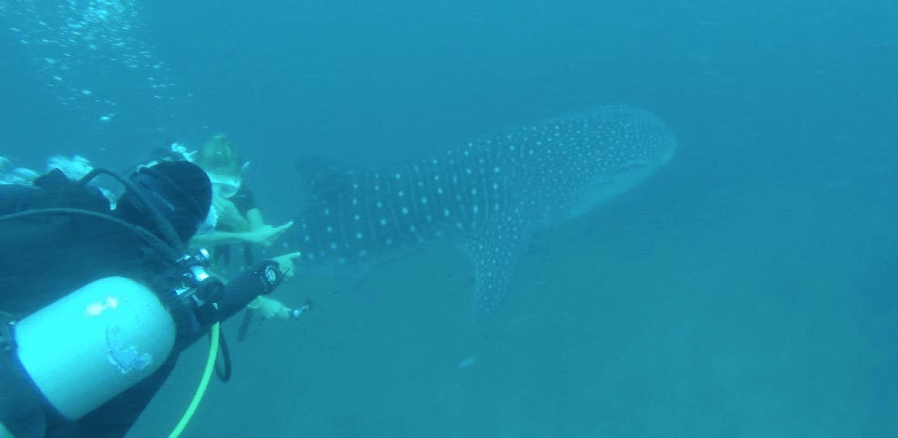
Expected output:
(746, 289)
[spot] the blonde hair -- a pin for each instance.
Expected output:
(219, 156)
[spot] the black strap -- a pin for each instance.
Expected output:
(223, 360)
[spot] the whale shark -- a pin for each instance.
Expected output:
(486, 196)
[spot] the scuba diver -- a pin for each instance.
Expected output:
(97, 300)
(240, 226)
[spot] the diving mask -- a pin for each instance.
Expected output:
(226, 186)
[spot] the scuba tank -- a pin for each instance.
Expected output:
(94, 343)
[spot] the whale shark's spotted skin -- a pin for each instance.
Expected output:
(486, 196)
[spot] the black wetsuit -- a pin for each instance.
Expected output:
(44, 257)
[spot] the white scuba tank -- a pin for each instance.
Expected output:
(94, 343)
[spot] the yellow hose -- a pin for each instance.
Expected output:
(204, 383)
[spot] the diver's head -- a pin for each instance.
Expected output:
(220, 160)
(179, 190)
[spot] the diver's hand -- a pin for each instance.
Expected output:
(270, 308)
(267, 234)
(285, 262)
(228, 214)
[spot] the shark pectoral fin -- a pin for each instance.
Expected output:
(495, 252)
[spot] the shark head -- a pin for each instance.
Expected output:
(627, 145)
(580, 161)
